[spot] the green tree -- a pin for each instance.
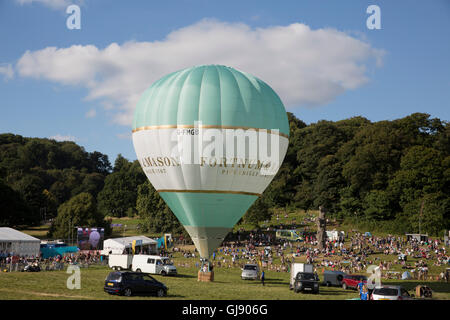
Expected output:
(328, 184)
(118, 196)
(350, 203)
(50, 204)
(421, 172)
(14, 210)
(435, 218)
(258, 212)
(80, 210)
(92, 183)
(121, 164)
(283, 187)
(99, 163)
(377, 205)
(155, 215)
(30, 188)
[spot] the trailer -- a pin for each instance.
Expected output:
(120, 261)
(335, 235)
(333, 278)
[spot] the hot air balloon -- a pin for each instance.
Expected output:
(194, 136)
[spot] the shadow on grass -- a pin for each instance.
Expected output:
(266, 281)
(277, 282)
(175, 296)
(338, 292)
(183, 276)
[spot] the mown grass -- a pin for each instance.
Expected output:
(226, 286)
(39, 232)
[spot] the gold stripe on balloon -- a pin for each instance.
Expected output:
(189, 126)
(211, 191)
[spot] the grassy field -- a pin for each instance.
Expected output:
(130, 225)
(227, 285)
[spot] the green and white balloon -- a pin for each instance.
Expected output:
(180, 132)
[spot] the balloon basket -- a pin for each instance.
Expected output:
(205, 276)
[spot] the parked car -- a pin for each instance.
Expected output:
(306, 281)
(250, 271)
(352, 280)
(391, 293)
(333, 278)
(32, 268)
(130, 283)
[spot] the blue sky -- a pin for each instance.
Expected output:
(87, 92)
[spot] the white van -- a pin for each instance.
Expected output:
(120, 261)
(153, 264)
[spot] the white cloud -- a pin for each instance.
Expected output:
(59, 137)
(91, 113)
(305, 67)
(53, 4)
(7, 71)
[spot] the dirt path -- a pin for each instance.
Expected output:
(43, 294)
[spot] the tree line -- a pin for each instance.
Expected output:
(391, 175)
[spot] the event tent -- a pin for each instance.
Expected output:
(18, 243)
(119, 245)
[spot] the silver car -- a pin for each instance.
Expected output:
(250, 271)
(391, 293)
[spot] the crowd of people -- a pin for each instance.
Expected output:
(351, 254)
(11, 262)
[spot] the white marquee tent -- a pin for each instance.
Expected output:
(18, 243)
(118, 245)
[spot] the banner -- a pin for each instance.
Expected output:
(133, 246)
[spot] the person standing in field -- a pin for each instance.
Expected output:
(262, 277)
(364, 294)
(360, 287)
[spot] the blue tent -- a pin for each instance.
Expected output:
(161, 242)
(54, 251)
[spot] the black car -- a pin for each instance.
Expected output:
(306, 281)
(32, 268)
(130, 283)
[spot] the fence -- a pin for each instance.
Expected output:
(49, 266)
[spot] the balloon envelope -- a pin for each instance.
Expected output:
(210, 139)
